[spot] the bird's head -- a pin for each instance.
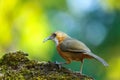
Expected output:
(57, 37)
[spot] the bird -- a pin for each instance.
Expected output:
(72, 49)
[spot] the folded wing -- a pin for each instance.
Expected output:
(75, 46)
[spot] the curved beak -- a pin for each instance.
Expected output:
(46, 39)
(49, 38)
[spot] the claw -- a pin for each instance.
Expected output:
(59, 64)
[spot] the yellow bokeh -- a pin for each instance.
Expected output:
(111, 4)
(113, 72)
(25, 23)
(23, 27)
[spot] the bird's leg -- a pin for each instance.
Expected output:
(62, 63)
(59, 64)
(81, 66)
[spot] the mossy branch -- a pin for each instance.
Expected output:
(17, 66)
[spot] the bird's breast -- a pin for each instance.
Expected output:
(63, 54)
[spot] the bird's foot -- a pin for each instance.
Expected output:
(78, 72)
(59, 64)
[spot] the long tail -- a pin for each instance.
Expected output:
(99, 59)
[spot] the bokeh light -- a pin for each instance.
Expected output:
(25, 23)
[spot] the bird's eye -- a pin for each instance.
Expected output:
(53, 36)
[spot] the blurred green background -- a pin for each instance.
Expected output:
(25, 23)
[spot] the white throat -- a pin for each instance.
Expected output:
(56, 41)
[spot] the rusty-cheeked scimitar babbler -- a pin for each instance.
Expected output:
(71, 49)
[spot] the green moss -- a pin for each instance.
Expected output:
(16, 66)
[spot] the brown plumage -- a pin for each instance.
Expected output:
(71, 49)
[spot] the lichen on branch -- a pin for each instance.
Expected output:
(17, 66)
